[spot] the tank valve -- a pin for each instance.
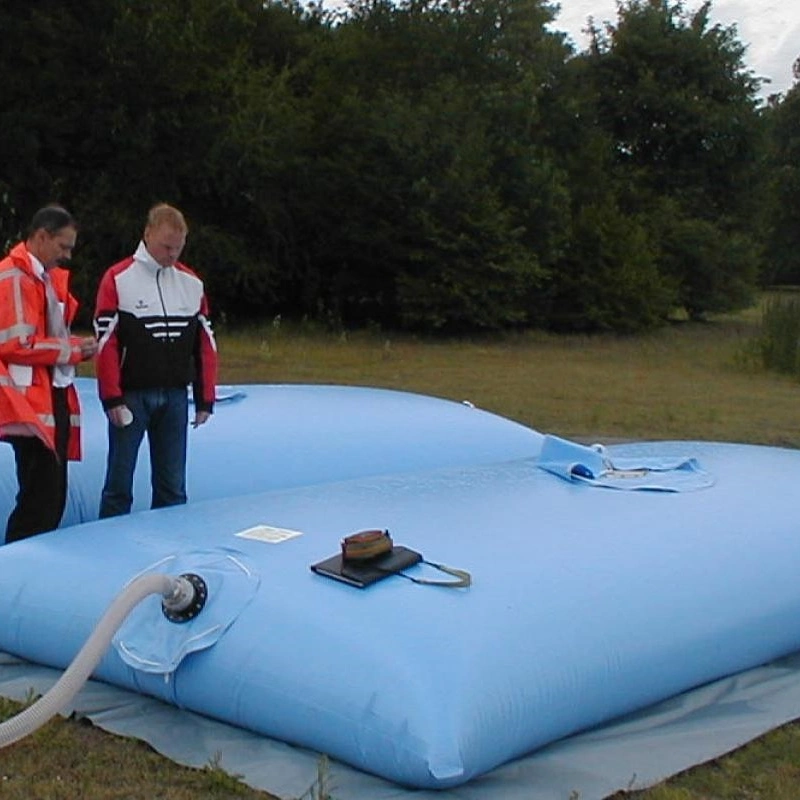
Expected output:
(186, 599)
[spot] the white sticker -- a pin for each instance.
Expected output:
(267, 533)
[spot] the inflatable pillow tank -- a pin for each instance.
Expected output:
(603, 580)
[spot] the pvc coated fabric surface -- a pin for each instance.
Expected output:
(274, 436)
(586, 603)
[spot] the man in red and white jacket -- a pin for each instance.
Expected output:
(151, 321)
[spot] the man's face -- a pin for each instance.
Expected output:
(165, 244)
(54, 248)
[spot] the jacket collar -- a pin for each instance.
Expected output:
(142, 255)
(22, 258)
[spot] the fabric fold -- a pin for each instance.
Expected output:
(592, 464)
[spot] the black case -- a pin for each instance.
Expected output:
(364, 573)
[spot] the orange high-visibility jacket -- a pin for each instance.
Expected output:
(27, 353)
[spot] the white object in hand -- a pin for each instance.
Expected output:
(125, 416)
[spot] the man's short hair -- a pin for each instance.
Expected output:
(52, 219)
(165, 214)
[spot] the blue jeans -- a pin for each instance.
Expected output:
(163, 414)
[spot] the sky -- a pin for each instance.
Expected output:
(769, 28)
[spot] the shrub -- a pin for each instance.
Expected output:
(780, 334)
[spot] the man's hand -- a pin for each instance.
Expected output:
(119, 416)
(88, 346)
(200, 418)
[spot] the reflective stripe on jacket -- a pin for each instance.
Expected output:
(27, 353)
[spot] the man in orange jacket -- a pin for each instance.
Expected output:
(39, 410)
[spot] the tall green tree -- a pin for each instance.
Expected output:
(49, 64)
(680, 105)
(430, 158)
(438, 165)
(783, 167)
(605, 275)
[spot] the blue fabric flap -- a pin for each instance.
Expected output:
(149, 642)
(591, 464)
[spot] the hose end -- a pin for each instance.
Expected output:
(187, 598)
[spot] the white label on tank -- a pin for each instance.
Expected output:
(268, 533)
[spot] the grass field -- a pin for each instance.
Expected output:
(687, 381)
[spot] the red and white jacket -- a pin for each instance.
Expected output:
(153, 331)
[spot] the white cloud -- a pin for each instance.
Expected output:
(769, 28)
